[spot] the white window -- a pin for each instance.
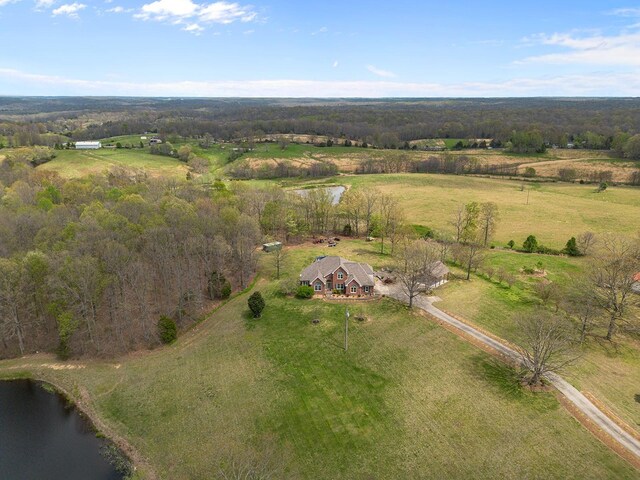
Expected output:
(340, 276)
(339, 286)
(366, 289)
(318, 287)
(354, 289)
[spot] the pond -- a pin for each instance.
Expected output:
(335, 192)
(42, 438)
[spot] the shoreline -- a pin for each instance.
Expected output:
(139, 464)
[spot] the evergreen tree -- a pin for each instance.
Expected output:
(571, 248)
(256, 304)
(530, 244)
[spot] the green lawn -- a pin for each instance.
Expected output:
(408, 400)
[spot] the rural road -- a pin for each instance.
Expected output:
(582, 403)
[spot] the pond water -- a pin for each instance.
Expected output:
(41, 438)
(335, 192)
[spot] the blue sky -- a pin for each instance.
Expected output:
(320, 49)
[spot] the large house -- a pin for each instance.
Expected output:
(331, 273)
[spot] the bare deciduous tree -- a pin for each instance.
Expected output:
(585, 242)
(279, 256)
(390, 218)
(370, 201)
(414, 267)
(580, 303)
(353, 206)
(458, 223)
(612, 271)
(470, 256)
(246, 235)
(545, 346)
(488, 220)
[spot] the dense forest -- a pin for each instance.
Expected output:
(582, 122)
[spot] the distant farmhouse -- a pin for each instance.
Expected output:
(88, 145)
(331, 273)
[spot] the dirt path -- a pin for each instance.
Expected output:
(587, 409)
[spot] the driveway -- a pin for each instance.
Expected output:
(582, 403)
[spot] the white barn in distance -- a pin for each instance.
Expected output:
(88, 145)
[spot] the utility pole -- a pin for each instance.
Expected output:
(346, 329)
(528, 190)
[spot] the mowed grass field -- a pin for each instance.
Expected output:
(555, 211)
(80, 163)
(610, 371)
(279, 394)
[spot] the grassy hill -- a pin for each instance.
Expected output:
(79, 163)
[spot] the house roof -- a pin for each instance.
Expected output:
(362, 273)
(439, 269)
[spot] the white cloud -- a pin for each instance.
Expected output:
(622, 84)
(381, 73)
(119, 9)
(626, 12)
(593, 49)
(44, 4)
(164, 9)
(223, 12)
(193, 28)
(335, 64)
(69, 9)
(179, 12)
(320, 30)
(7, 2)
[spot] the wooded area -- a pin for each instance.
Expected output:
(594, 123)
(89, 266)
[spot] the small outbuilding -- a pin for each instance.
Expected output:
(271, 246)
(88, 145)
(439, 274)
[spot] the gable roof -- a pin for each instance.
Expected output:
(362, 273)
(439, 269)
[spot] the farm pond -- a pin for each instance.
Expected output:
(335, 192)
(41, 436)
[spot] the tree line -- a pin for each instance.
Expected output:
(524, 123)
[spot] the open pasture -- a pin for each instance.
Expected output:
(553, 212)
